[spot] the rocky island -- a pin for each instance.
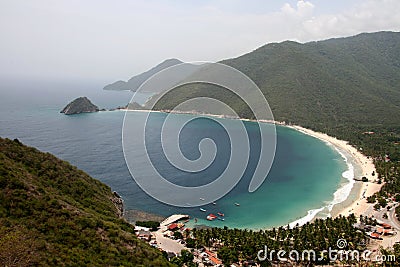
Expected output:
(80, 105)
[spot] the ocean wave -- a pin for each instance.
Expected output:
(344, 191)
(310, 215)
(340, 195)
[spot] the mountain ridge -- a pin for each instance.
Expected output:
(322, 84)
(134, 83)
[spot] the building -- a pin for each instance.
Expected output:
(173, 226)
(144, 235)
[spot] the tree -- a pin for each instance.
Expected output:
(177, 261)
(228, 255)
(178, 235)
(186, 256)
(190, 243)
(382, 202)
(371, 199)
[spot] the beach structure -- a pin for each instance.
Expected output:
(375, 236)
(173, 226)
(144, 235)
(213, 258)
(173, 218)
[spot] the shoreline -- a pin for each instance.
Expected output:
(360, 190)
(355, 200)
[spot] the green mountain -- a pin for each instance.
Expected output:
(52, 214)
(134, 83)
(322, 85)
(331, 82)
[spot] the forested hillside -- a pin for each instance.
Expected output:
(325, 84)
(330, 83)
(52, 214)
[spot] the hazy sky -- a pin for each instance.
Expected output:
(103, 40)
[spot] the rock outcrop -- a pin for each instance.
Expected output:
(80, 105)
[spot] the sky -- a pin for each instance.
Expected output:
(104, 41)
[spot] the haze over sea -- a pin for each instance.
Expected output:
(303, 179)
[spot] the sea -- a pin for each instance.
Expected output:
(306, 179)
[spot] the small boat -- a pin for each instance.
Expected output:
(195, 220)
(221, 219)
(202, 199)
(203, 210)
(221, 214)
(214, 203)
(237, 204)
(211, 217)
(186, 221)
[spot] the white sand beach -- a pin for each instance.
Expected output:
(360, 205)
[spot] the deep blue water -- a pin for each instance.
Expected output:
(305, 174)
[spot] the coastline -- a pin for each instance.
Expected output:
(359, 190)
(356, 192)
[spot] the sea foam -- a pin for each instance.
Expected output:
(344, 191)
(341, 194)
(310, 215)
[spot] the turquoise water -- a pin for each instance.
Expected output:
(305, 174)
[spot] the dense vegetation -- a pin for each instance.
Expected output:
(52, 214)
(240, 245)
(326, 85)
(330, 84)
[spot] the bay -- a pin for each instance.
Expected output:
(305, 174)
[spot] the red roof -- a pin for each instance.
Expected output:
(172, 226)
(215, 260)
(212, 257)
(375, 235)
